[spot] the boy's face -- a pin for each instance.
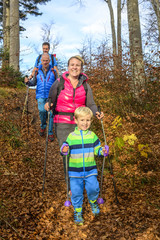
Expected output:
(83, 122)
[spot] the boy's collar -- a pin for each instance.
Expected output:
(78, 131)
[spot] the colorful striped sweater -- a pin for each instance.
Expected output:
(83, 145)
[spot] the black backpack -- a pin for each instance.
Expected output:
(52, 58)
(59, 89)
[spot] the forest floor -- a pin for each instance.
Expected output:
(26, 214)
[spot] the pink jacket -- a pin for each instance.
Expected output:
(69, 99)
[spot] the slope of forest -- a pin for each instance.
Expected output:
(134, 151)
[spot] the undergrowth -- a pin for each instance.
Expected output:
(11, 78)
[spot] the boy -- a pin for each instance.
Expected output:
(82, 145)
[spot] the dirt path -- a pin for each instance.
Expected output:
(33, 217)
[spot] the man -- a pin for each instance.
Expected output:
(44, 78)
(45, 49)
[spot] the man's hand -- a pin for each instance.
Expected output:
(30, 77)
(26, 79)
(46, 106)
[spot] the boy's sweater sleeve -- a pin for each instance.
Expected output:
(66, 143)
(61, 149)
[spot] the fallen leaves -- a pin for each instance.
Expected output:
(45, 218)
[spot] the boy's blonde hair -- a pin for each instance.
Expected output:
(83, 111)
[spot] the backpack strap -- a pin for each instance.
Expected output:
(39, 59)
(86, 90)
(54, 72)
(59, 89)
(52, 58)
(36, 72)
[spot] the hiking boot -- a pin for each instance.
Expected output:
(50, 138)
(78, 219)
(41, 132)
(94, 207)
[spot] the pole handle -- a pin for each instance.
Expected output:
(49, 102)
(99, 109)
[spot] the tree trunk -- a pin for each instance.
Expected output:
(119, 34)
(138, 75)
(14, 34)
(6, 18)
(113, 31)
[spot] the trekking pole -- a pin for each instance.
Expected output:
(44, 171)
(100, 200)
(67, 202)
(26, 108)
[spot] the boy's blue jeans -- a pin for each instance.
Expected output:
(43, 115)
(77, 187)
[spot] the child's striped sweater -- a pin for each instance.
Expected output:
(83, 145)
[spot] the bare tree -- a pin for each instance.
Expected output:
(14, 34)
(156, 7)
(48, 35)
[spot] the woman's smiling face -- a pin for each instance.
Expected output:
(74, 67)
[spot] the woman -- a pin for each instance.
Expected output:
(76, 92)
(68, 93)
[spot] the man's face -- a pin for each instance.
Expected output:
(45, 48)
(45, 61)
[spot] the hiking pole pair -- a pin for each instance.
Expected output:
(45, 161)
(100, 200)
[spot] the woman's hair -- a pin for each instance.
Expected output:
(83, 111)
(77, 57)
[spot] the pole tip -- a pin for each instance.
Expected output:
(100, 201)
(67, 203)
